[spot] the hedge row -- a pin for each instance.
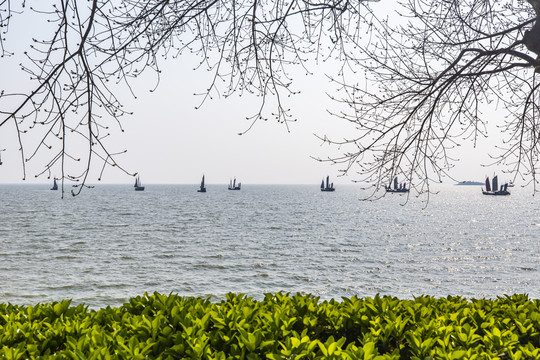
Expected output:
(281, 326)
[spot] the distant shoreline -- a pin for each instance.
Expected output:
(470, 183)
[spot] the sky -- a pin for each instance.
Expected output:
(169, 141)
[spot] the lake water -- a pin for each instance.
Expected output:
(112, 243)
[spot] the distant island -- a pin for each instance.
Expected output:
(470, 183)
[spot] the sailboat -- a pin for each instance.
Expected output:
(138, 185)
(494, 189)
(203, 188)
(329, 186)
(234, 186)
(398, 188)
(55, 185)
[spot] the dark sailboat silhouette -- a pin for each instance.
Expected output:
(493, 189)
(234, 186)
(329, 186)
(203, 187)
(138, 185)
(398, 188)
(55, 185)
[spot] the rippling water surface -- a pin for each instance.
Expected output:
(112, 243)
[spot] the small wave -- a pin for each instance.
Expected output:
(526, 268)
(33, 296)
(109, 286)
(263, 265)
(65, 257)
(301, 278)
(165, 256)
(209, 266)
(117, 225)
(263, 275)
(69, 250)
(68, 287)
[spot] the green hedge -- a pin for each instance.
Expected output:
(281, 326)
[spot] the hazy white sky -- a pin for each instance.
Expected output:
(169, 141)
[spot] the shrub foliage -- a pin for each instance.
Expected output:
(281, 326)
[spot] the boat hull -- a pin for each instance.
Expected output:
(202, 190)
(397, 191)
(328, 189)
(139, 188)
(496, 193)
